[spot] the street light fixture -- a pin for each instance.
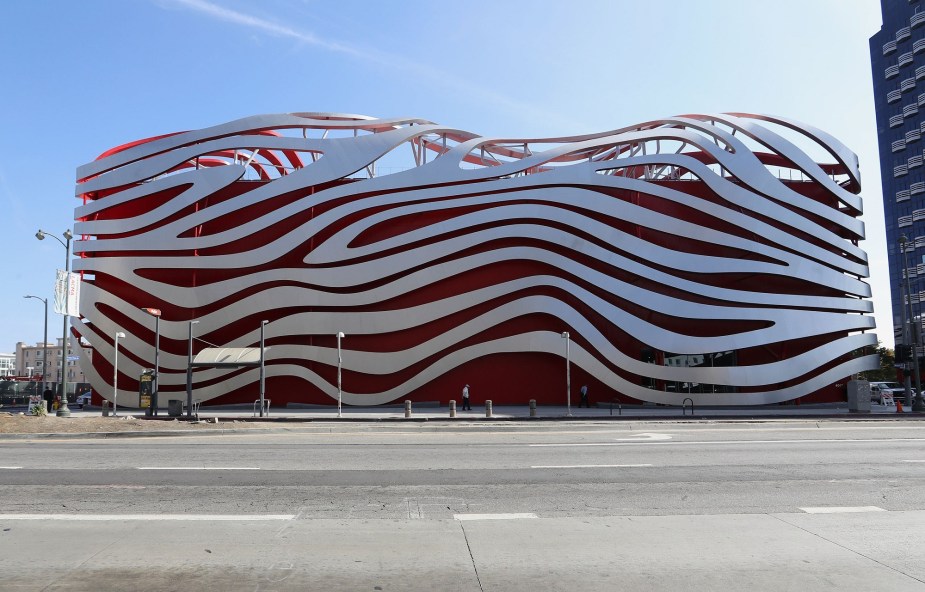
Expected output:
(44, 343)
(63, 411)
(189, 373)
(918, 404)
(156, 313)
(568, 375)
(115, 375)
(340, 361)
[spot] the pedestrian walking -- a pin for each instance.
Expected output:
(584, 396)
(465, 396)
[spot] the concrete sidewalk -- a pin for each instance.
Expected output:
(432, 412)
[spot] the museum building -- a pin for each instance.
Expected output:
(714, 258)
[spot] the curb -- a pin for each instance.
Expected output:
(286, 424)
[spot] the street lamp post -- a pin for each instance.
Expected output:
(115, 375)
(262, 378)
(340, 361)
(907, 380)
(63, 411)
(917, 405)
(189, 373)
(156, 313)
(568, 375)
(44, 343)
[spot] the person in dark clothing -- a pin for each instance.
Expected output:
(465, 398)
(49, 396)
(584, 396)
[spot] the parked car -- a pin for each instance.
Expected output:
(885, 393)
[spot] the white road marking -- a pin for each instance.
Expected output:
(9, 468)
(842, 510)
(149, 517)
(645, 437)
(586, 466)
(729, 442)
(915, 460)
(198, 468)
(493, 516)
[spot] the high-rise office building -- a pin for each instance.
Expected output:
(897, 55)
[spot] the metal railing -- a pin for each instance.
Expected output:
(266, 407)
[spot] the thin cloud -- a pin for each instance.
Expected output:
(233, 16)
(528, 111)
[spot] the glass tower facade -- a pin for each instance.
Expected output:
(897, 55)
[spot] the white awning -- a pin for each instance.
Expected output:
(229, 356)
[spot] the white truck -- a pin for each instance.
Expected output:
(886, 393)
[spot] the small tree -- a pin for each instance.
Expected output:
(887, 370)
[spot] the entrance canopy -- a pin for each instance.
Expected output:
(228, 357)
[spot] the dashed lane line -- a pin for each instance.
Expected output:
(588, 466)
(521, 516)
(842, 509)
(198, 468)
(149, 517)
(729, 442)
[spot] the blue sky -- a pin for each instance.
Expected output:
(82, 77)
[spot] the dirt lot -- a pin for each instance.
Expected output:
(16, 423)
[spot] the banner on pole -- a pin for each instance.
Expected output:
(67, 293)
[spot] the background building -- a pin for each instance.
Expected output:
(32, 357)
(7, 365)
(702, 257)
(898, 61)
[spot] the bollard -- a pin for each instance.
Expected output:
(488, 408)
(407, 408)
(532, 407)
(105, 408)
(453, 408)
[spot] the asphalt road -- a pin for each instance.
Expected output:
(826, 505)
